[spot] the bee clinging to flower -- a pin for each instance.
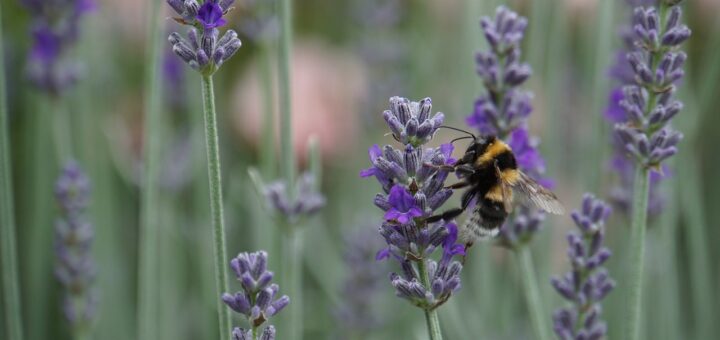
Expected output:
(489, 171)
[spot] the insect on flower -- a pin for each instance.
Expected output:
(490, 172)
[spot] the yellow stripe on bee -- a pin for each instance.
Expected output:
(494, 149)
(510, 176)
(495, 194)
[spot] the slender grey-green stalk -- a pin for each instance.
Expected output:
(148, 305)
(637, 252)
(10, 285)
(532, 294)
(216, 200)
(293, 273)
(267, 145)
(431, 315)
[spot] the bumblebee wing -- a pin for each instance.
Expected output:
(537, 194)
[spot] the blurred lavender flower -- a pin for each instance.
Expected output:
(619, 108)
(503, 111)
(55, 28)
(357, 315)
(75, 267)
(587, 284)
(259, 21)
(413, 188)
(307, 200)
(204, 50)
(648, 101)
(257, 300)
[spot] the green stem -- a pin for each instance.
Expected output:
(292, 266)
(216, 201)
(431, 315)
(637, 253)
(61, 130)
(286, 140)
(267, 148)
(148, 290)
(10, 285)
(532, 294)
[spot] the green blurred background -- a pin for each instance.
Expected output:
(349, 57)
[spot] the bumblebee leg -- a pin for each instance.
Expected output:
(445, 216)
(465, 169)
(449, 168)
(458, 185)
(467, 198)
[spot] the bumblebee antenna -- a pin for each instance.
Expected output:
(459, 130)
(460, 138)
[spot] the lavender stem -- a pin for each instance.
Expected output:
(293, 255)
(431, 315)
(216, 201)
(10, 283)
(149, 214)
(532, 295)
(61, 130)
(637, 252)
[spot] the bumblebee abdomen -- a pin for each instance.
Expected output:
(484, 222)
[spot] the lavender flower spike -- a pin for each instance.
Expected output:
(413, 188)
(504, 108)
(257, 300)
(55, 29)
(649, 101)
(307, 202)
(204, 49)
(75, 267)
(587, 283)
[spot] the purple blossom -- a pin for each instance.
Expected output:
(587, 283)
(643, 134)
(210, 15)
(526, 153)
(450, 246)
(306, 202)
(257, 300)
(503, 110)
(55, 29)
(74, 234)
(403, 206)
(648, 102)
(413, 183)
(205, 50)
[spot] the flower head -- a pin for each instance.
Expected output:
(205, 50)
(75, 267)
(55, 29)
(412, 179)
(648, 103)
(411, 122)
(307, 200)
(587, 284)
(257, 301)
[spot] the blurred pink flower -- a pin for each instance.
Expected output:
(327, 86)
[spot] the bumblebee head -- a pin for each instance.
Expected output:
(480, 144)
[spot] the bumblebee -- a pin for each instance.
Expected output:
(489, 171)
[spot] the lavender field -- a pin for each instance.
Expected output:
(359, 169)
